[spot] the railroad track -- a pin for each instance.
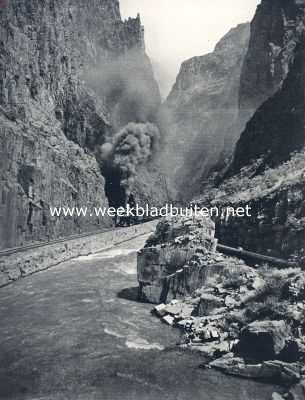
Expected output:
(33, 246)
(238, 252)
(21, 249)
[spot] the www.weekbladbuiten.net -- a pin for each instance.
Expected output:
(148, 211)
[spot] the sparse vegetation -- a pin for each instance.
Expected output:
(245, 186)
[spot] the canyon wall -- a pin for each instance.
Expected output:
(67, 83)
(268, 167)
(269, 54)
(274, 67)
(203, 111)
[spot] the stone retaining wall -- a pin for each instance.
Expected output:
(18, 265)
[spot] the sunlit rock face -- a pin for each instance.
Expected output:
(202, 111)
(56, 110)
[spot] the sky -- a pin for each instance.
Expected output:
(176, 30)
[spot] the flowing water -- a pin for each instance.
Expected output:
(76, 332)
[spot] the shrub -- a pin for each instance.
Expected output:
(235, 281)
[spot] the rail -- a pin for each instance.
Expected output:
(37, 245)
(33, 246)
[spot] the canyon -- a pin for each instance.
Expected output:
(82, 124)
(246, 318)
(69, 89)
(202, 112)
(234, 106)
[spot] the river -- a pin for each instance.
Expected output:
(76, 332)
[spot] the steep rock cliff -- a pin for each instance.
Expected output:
(202, 109)
(277, 127)
(56, 111)
(271, 48)
(267, 171)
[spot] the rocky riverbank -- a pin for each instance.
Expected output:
(86, 327)
(247, 321)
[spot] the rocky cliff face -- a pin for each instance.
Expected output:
(267, 171)
(270, 51)
(274, 67)
(203, 108)
(56, 108)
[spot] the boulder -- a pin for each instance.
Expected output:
(232, 302)
(169, 320)
(236, 366)
(210, 350)
(164, 266)
(208, 303)
(280, 372)
(277, 396)
(263, 340)
(160, 310)
(277, 372)
(180, 310)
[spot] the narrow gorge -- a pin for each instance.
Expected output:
(83, 126)
(202, 112)
(245, 314)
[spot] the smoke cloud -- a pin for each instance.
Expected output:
(132, 146)
(127, 85)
